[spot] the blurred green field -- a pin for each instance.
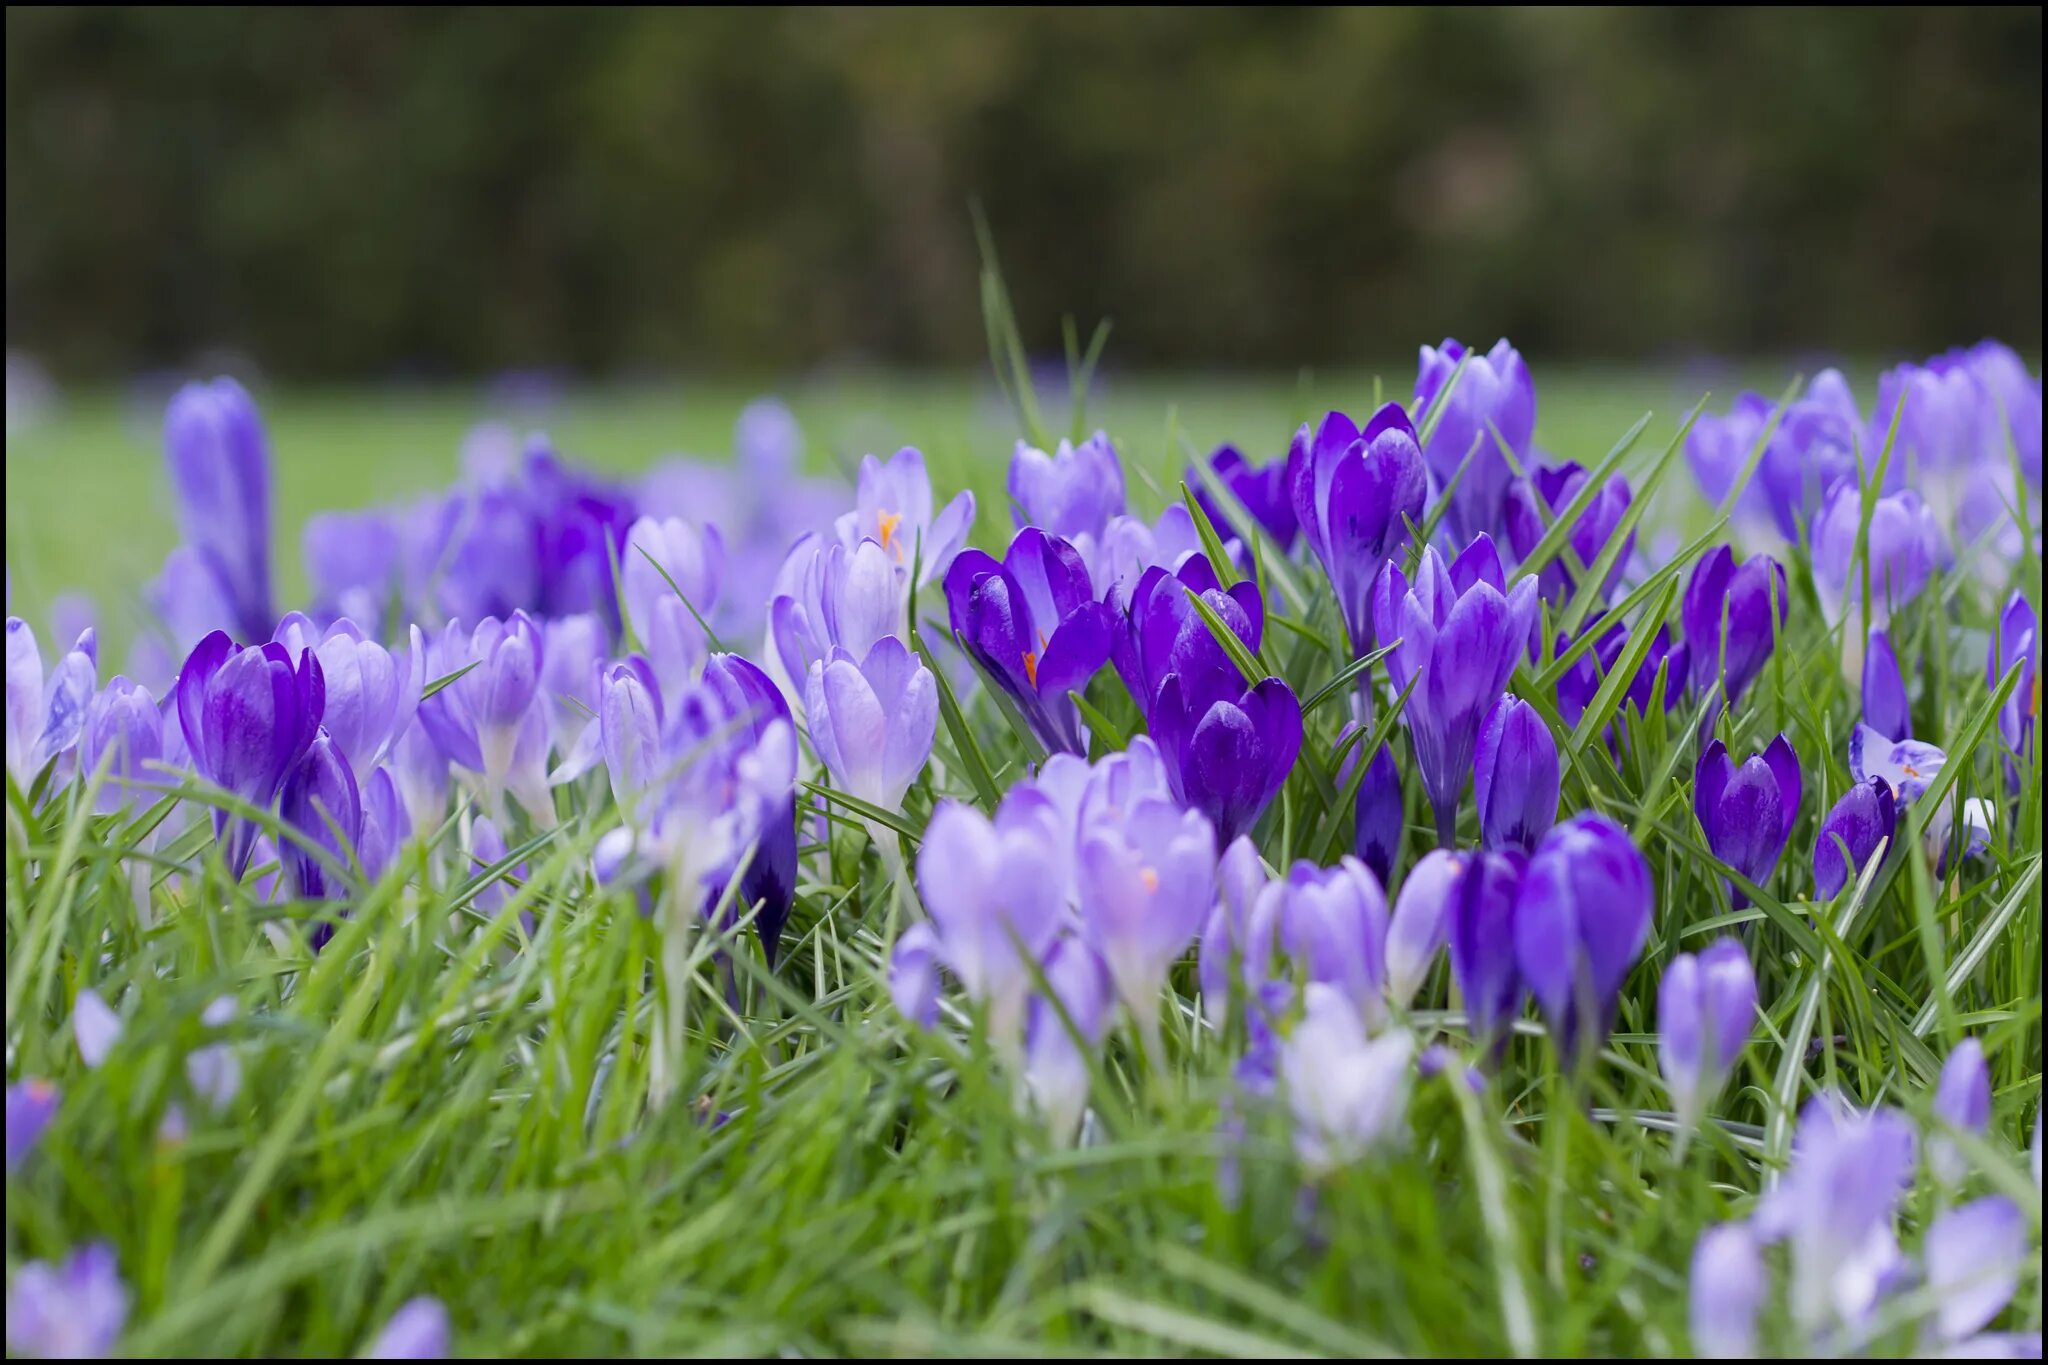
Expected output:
(88, 505)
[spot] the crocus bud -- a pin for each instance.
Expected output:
(125, 731)
(664, 558)
(1240, 877)
(2016, 642)
(1580, 921)
(914, 975)
(1974, 1257)
(1355, 492)
(1729, 1287)
(1055, 1065)
(95, 1027)
(1382, 819)
(248, 717)
(1348, 1093)
(31, 1104)
(1515, 778)
(1332, 922)
(1864, 820)
(72, 1311)
(220, 470)
(1732, 616)
(1884, 690)
(322, 802)
(1146, 882)
(1421, 922)
(873, 720)
(1748, 811)
(1533, 501)
(1482, 942)
(1487, 416)
(1962, 1101)
(417, 1331)
(1705, 1009)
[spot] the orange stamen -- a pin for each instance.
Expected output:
(1031, 667)
(889, 522)
(1151, 879)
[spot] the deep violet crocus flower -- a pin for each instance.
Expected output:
(1163, 633)
(1748, 810)
(893, 508)
(71, 1311)
(1490, 412)
(1534, 502)
(219, 462)
(372, 694)
(1355, 492)
(1461, 631)
(1885, 708)
(1033, 623)
(2015, 642)
(323, 803)
(1732, 615)
(1580, 921)
(1482, 940)
(248, 716)
(1381, 817)
(1850, 834)
(1228, 759)
(1706, 1008)
(754, 705)
(1515, 776)
(1264, 491)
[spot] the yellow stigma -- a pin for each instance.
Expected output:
(1911, 771)
(889, 521)
(1031, 667)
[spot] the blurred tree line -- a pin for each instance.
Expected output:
(351, 192)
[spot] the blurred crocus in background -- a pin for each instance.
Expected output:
(1355, 491)
(1487, 416)
(1581, 918)
(1903, 548)
(1071, 493)
(1705, 1011)
(1264, 491)
(219, 461)
(1962, 1101)
(45, 715)
(1535, 501)
(1348, 1092)
(74, 1310)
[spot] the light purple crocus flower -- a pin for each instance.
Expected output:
(872, 722)
(187, 598)
(984, 884)
(1534, 502)
(1130, 547)
(1515, 776)
(1348, 1092)
(573, 650)
(124, 731)
(31, 1104)
(248, 716)
(214, 1071)
(1580, 921)
(1033, 623)
(1962, 1101)
(487, 721)
(1055, 1064)
(417, 1331)
(1240, 876)
(1908, 767)
(1904, 549)
(1421, 922)
(72, 1311)
(1865, 819)
(1730, 1285)
(94, 1027)
(661, 559)
(914, 974)
(45, 714)
(1706, 1008)
(1461, 631)
(1483, 913)
(1748, 811)
(385, 823)
(1146, 878)
(420, 771)
(1836, 1205)
(323, 803)
(893, 508)
(372, 694)
(1974, 1255)
(836, 597)
(1491, 412)
(1885, 708)
(1732, 615)
(1949, 425)
(1355, 492)
(1071, 493)
(1331, 923)
(219, 462)
(355, 562)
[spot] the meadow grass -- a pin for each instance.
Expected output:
(442, 1101)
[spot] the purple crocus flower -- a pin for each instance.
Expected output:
(1581, 683)
(1949, 425)
(355, 562)
(95, 1027)
(1815, 444)
(1382, 817)
(188, 600)
(31, 1104)
(385, 823)
(1461, 631)
(893, 508)
(873, 721)
(1483, 913)
(1493, 403)
(124, 730)
(372, 694)
(215, 1071)
(1730, 1285)
(751, 701)
(1055, 1066)
(1146, 878)
(45, 715)
(1908, 767)
(983, 882)
(2016, 393)
(1974, 1256)
(1515, 776)
(1837, 1205)
(1354, 493)
(1719, 445)
(1332, 923)
(248, 716)
(322, 802)
(1130, 547)
(417, 1331)
(1229, 759)
(72, 1311)
(1580, 921)
(1033, 623)
(1904, 549)
(1240, 876)
(1706, 1007)
(420, 771)
(220, 472)
(1164, 635)
(2015, 642)
(914, 975)
(579, 524)
(475, 549)
(836, 596)
(1347, 1092)
(487, 849)
(486, 721)
(1732, 616)
(1885, 708)
(1265, 491)
(1421, 922)
(1864, 819)
(1071, 493)
(1533, 501)
(1748, 812)
(661, 559)
(1962, 1101)
(573, 652)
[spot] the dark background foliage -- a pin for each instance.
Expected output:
(350, 193)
